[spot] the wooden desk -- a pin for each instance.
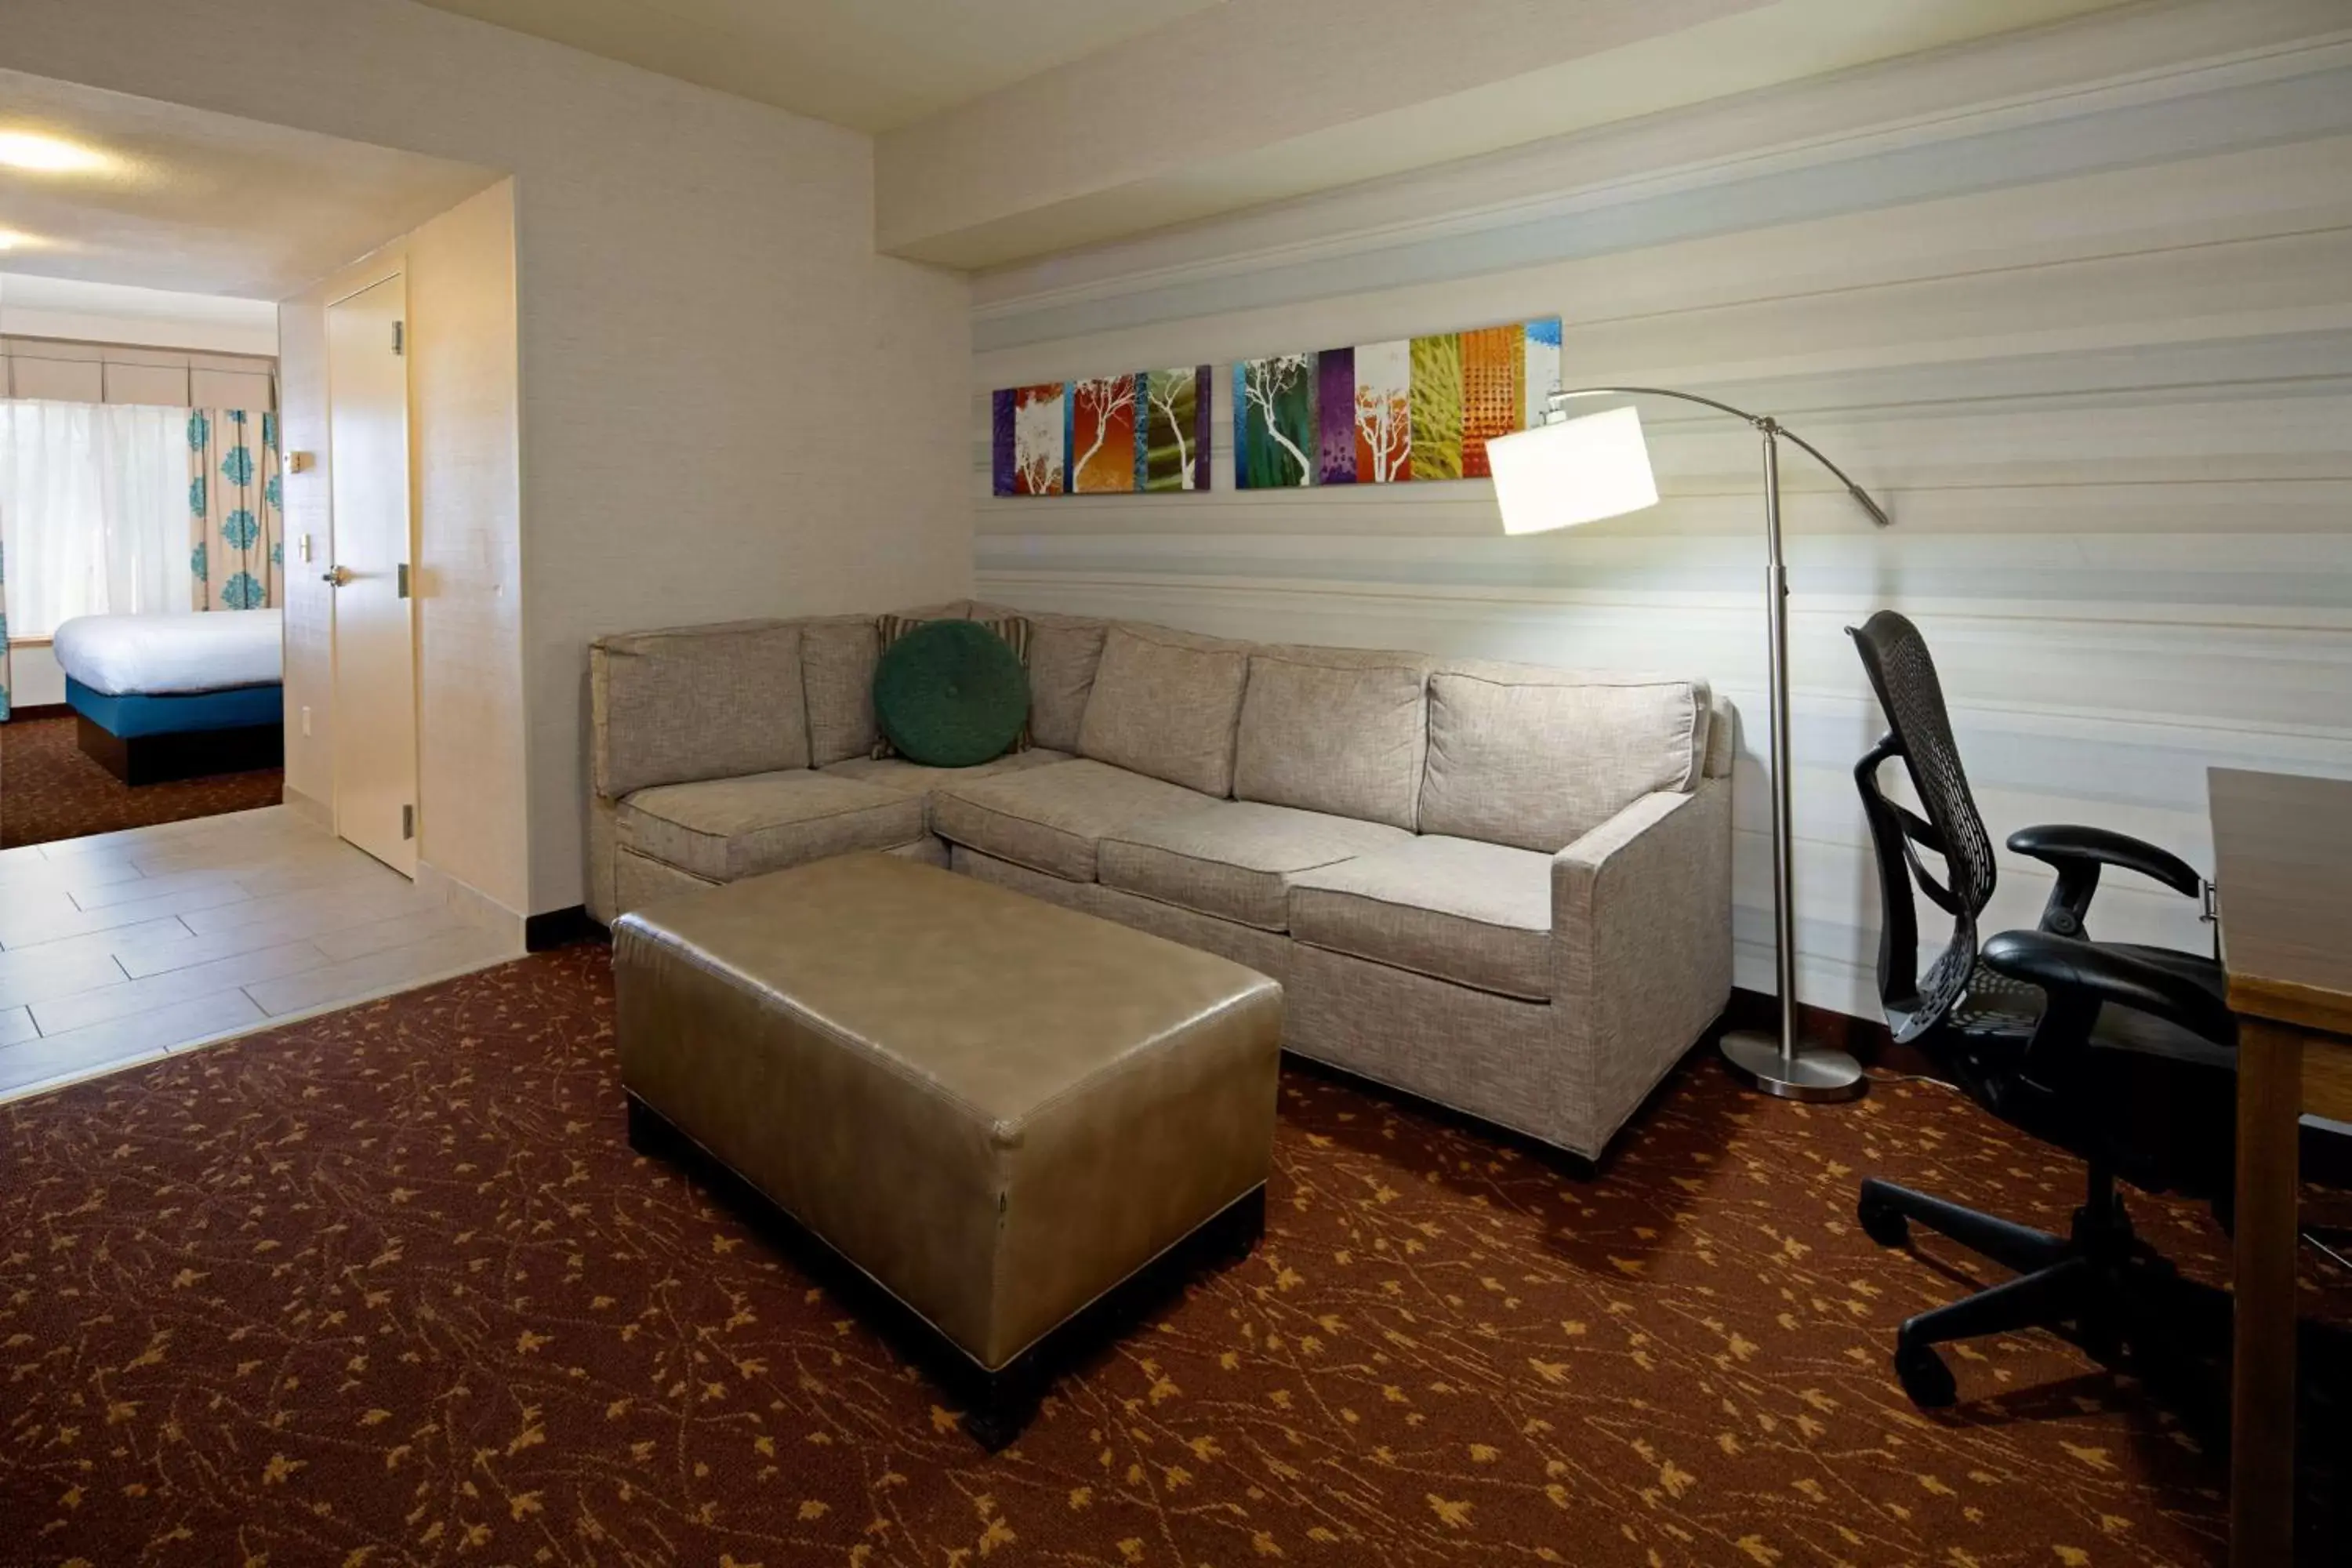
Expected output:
(2282, 862)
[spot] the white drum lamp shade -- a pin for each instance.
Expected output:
(1571, 472)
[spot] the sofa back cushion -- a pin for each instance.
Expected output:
(838, 653)
(700, 702)
(1064, 653)
(1537, 758)
(1335, 730)
(1164, 704)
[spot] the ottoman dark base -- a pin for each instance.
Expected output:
(998, 1406)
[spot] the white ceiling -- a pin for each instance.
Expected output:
(872, 64)
(117, 313)
(207, 204)
(1010, 129)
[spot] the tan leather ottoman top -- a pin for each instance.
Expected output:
(997, 1108)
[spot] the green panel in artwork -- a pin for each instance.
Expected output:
(1437, 406)
(1274, 421)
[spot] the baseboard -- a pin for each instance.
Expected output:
(559, 928)
(477, 907)
(317, 812)
(41, 711)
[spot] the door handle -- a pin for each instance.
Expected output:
(335, 576)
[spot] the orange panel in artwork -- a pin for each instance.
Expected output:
(1102, 434)
(1494, 391)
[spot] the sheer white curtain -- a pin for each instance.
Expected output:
(93, 510)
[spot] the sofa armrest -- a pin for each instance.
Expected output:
(1640, 947)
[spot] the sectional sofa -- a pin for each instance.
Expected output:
(1503, 887)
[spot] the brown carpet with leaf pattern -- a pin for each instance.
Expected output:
(389, 1287)
(49, 790)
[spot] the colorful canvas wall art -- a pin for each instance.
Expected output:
(1030, 438)
(1273, 422)
(1102, 435)
(1106, 435)
(1411, 409)
(1389, 412)
(1382, 412)
(1437, 406)
(1172, 446)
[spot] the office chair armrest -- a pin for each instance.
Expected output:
(2073, 971)
(2078, 853)
(2061, 844)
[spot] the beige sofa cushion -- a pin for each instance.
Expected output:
(722, 830)
(1064, 653)
(911, 777)
(915, 778)
(1476, 913)
(1331, 730)
(1165, 704)
(1051, 819)
(1235, 859)
(838, 653)
(1538, 758)
(703, 703)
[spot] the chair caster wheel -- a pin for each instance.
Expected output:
(1924, 1377)
(1882, 1224)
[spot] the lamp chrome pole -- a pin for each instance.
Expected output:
(1782, 1062)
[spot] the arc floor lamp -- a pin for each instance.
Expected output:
(1569, 471)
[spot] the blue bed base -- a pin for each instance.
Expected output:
(133, 717)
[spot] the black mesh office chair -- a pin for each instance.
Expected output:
(2123, 1055)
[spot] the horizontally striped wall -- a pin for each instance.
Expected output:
(2077, 304)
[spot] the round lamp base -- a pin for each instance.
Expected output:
(1815, 1073)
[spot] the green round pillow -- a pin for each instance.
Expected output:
(950, 694)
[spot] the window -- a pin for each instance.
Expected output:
(93, 510)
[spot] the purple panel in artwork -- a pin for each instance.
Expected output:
(1000, 439)
(1201, 426)
(1335, 404)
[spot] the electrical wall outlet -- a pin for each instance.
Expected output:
(305, 722)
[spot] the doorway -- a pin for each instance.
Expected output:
(374, 623)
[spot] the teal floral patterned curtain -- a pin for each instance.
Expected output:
(236, 552)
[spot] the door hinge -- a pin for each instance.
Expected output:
(400, 337)
(404, 579)
(408, 822)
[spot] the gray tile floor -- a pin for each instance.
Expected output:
(117, 949)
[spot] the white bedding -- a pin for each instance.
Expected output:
(155, 655)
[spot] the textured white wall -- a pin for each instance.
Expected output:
(2077, 304)
(730, 405)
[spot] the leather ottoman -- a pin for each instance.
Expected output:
(994, 1109)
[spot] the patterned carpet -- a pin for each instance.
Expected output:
(49, 790)
(388, 1287)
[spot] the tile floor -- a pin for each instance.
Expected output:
(118, 948)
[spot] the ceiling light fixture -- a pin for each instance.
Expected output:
(48, 154)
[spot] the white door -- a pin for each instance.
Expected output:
(375, 634)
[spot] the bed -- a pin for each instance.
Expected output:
(177, 696)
